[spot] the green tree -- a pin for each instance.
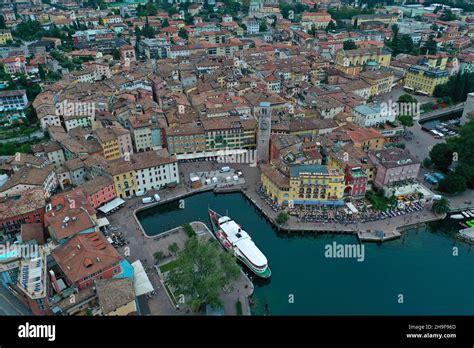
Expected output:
(41, 72)
(138, 34)
(406, 43)
(453, 183)
(165, 23)
(148, 31)
(349, 45)
(2, 23)
(116, 54)
(448, 15)
(151, 10)
(457, 87)
(467, 171)
(158, 256)
(183, 33)
(173, 248)
(263, 26)
(406, 121)
(28, 30)
(202, 270)
(430, 46)
(407, 98)
(427, 163)
(442, 156)
(441, 206)
(282, 218)
(331, 27)
(189, 230)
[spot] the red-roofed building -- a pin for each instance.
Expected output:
(99, 190)
(70, 214)
(367, 139)
(87, 257)
(14, 65)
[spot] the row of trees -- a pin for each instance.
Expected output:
(457, 87)
(403, 43)
(460, 152)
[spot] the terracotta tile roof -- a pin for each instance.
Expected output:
(363, 134)
(28, 202)
(114, 293)
(275, 176)
(84, 255)
(33, 231)
(28, 176)
(142, 160)
(96, 184)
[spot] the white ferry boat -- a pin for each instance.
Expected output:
(234, 238)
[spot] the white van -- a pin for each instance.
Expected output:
(147, 200)
(225, 169)
(140, 193)
(157, 197)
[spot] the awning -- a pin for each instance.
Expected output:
(106, 208)
(352, 207)
(140, 280)
(102, 222)
(311, 202)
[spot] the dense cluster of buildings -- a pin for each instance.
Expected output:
(138, 105)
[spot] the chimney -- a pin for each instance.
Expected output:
(54, 281)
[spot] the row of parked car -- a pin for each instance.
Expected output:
(145, 200)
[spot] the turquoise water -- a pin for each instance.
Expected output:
(420, 266)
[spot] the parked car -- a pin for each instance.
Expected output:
(157, 197)
(147, 200)
(140, 193)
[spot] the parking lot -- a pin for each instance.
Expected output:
(218, 178)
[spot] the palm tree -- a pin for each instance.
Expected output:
(441, 206)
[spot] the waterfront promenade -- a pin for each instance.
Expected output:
(391, 227)
(142, 246)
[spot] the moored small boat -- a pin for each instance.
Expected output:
(467, 233)
(457, 216)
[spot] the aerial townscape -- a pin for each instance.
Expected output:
(236, 157)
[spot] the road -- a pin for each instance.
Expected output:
(396, 92)
(443, 111)
(10, 305)
(421, 143)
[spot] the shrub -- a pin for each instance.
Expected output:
(238, 306)
(282, 218)
(189, 230)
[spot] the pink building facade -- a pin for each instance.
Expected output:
(394, 167)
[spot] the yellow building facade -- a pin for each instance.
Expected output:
(5, 37)
(306, 184)
(423, 79)
(111, 150)
(124, 177)
(352, 62)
